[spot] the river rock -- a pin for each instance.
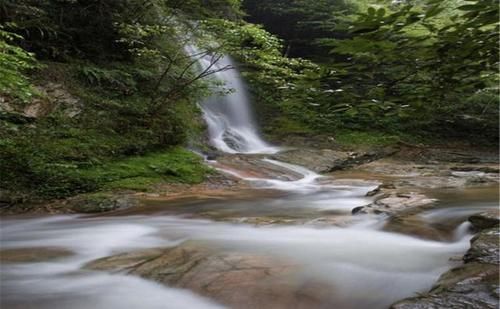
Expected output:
(403, 172)
(328, 160)
(235, 279)
(31, 255)
(449, 154)
(100, 202)
(484, 169)
(471, 285)
(394, 202)
(485, 220)
(484, 247)
(254, 166)
(413, 225)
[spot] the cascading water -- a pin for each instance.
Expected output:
(231, 126)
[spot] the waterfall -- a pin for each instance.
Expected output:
(231, 126)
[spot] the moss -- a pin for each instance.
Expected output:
(139, 172)
(143, 184)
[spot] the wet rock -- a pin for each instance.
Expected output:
(358, 210)
(328, 160)
(485, 220)
(254, 166)
(31, 255)
(100, 202)
(403, 173)
(126, 261)
(475, 177)
(449, 155)
(211, 156)
(394, 202)
(484, 169)
(388, 186)
(471, 285)
(414, 226)
(260, 221)
(374, 192)
(236, 279)
(477, 180)
(484, 247)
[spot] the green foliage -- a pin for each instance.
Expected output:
(412, 68)
(124, 62)
(14, 63)
(201, 9)
(175, 165)
(52, 163)
(112, 79)
(421, 67)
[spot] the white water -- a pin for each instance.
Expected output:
(382, 266)
(231, 126)
(63, 284)
(307, 183)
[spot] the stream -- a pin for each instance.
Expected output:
(357, 264)
(363, 265)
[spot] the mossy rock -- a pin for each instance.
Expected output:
(101, 202)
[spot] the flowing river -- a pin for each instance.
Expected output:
(355, 265)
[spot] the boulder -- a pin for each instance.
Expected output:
(328, 160)
(485, 220)
(235, 279)
(99, 202)
(394, 202)
(484, 247)
(471, 286)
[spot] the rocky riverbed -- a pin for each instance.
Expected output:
(399, 189)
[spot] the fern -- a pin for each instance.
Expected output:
(14, 62)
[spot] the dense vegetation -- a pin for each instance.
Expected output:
(87, 84)
(111, 80)
(427, 68)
